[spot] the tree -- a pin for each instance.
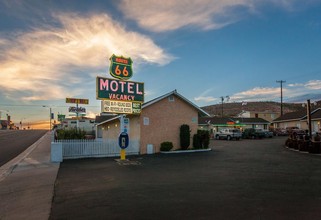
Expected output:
(184, 136)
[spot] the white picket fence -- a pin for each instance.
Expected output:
(74, 149)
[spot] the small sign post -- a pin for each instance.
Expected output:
(123, 141)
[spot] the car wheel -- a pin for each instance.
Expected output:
(217, 137)
(228, 138)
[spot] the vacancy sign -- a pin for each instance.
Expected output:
(120, 107)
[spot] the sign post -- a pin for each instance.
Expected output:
(77, 110)
(120, 96)
(123, 141)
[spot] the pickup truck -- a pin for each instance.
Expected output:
(228, 134)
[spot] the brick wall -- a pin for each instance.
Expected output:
(164, 119)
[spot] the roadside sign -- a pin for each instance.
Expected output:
(121, 67)
(77, 101)
(77, 109)
(118, 90)
(61, 117)
(123, 140)
(120, 107)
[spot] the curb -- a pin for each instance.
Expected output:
(185, 151)
(7, 168)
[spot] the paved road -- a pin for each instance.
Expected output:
(248, 179)
(13, 142)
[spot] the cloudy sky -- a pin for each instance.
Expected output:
(53, 49)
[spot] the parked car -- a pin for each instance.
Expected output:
(228, 134)
(280, 132)
(251, 133)
(268, 134)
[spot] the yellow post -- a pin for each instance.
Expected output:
(122, 154)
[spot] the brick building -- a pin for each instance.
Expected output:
(159, 121)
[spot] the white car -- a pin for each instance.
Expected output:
(229, 134)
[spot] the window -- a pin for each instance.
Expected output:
(146, 121)
(171, 98)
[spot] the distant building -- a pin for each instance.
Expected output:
(84, 123)
(299, 119)
(215, 124)
(266, 115)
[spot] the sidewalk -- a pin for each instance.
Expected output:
(27, 183)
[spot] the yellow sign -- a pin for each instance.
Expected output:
(77, 101)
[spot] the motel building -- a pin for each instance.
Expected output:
(159, 121)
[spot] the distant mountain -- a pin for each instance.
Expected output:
(233, 109)
(304, 98)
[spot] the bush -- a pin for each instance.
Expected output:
(197, 142)
(184, 136)
(67, 134)
(202, 140)
(166, 146)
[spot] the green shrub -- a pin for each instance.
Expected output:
(67, 134)
(166, 146)
(197, 141)
(204, 138)
(185, 136)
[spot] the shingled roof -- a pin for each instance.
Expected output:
(299, 115)
(222, 121)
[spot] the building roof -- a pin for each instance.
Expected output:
(315, 114)
(229, 120)
(151, 102)
(299, 115)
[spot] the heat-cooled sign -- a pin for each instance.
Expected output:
(120, 107)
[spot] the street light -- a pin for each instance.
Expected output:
(50, 116)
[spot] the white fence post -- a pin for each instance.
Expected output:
(56, 152)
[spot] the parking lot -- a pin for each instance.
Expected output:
(246, 179)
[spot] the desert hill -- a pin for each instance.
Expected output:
(232, 109)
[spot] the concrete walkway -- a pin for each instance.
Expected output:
(27, 183)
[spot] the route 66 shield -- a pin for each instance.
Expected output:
(121, 67)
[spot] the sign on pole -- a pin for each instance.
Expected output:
(120, 107)
(121, 67)
(118, 90)
(77, 101)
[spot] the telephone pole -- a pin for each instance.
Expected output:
(281, 83)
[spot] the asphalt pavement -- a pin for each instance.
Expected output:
(13, 142)
(27, 183)
(247, 179)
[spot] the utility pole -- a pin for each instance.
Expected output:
(281, 83)
(222, 99)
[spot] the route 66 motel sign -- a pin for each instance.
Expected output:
(121, 67)
(119, 95)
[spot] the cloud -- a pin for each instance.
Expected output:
(169, 15)
(257, 94)
(205, 99)
(45, 62)
(313, 85)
